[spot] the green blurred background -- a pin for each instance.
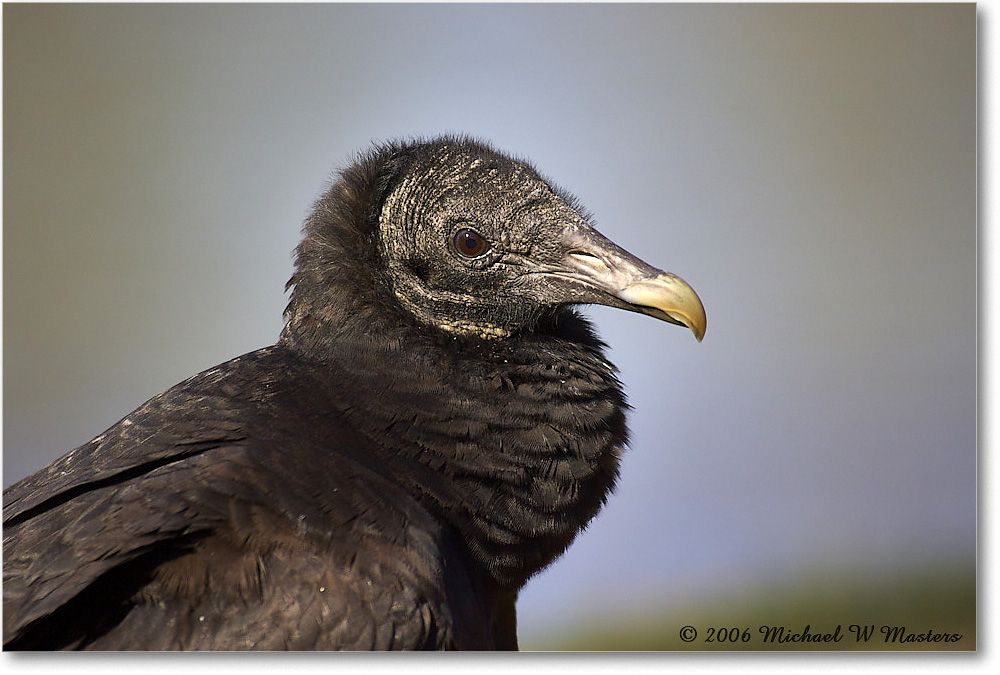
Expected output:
(809, 169)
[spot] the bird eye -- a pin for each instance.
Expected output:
(470, 243)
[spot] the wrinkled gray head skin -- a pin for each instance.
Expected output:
(453, 191)
(480, 244)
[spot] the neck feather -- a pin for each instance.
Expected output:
(515, 442)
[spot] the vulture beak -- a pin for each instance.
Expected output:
(667, 297)
(613, 276)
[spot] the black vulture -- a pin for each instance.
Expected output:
(435, 425)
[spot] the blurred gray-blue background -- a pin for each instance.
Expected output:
(810, 170)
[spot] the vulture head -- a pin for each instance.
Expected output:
(457, 237)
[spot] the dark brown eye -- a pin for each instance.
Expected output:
(470, 243)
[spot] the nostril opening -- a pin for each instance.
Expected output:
(586, 256)
(587, 259)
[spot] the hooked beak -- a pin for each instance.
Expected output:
(613, 276)
(670, 298)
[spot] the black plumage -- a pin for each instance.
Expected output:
(434, 426)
